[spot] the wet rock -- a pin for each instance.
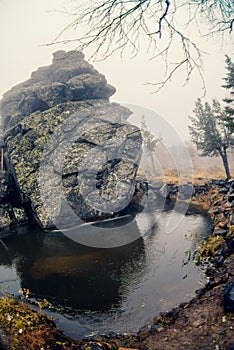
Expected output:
(218, 211)
(223, 190)
(218, 182)
(218, 262)
(229, 298)
(231, 197)
(220, 232)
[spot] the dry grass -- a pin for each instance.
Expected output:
(199, 175)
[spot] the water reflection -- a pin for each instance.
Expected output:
(97, 290)
(68, 273)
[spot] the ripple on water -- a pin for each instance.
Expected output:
(96, 291)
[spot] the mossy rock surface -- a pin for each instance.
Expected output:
(71, 152)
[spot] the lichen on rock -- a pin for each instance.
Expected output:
(66, 143)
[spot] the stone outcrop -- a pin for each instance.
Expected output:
(69, 78)
(70, 151)
(10, 212)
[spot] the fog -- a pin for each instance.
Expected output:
(26, 26)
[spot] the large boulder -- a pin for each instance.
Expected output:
(72, 154)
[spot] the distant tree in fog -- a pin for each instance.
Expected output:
(210, 133)
(229, 84)
(149, 141)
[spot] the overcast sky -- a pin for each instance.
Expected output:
(28, 24)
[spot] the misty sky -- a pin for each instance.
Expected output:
(28, 24)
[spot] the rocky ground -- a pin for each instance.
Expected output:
(206, 322)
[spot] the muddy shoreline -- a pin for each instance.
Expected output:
(202, 323)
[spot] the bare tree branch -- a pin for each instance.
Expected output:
(114, 25)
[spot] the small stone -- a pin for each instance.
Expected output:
(231, 197)
(229, 298)
(9, 317)
(218, 182)
(157, 320)
(143, 333)
(218, 211)
(223, 224)
(223, 190)
(154, 328)
(198, 323)
(220, 232)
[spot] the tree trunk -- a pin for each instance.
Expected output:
(225, 163)
(153, 164)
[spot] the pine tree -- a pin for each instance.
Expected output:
(149, 141)
(229, 84)
(210, 133)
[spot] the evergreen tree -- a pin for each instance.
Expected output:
(209, 132)
(150, 142)
(229, 84)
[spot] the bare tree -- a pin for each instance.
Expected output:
(114, 25)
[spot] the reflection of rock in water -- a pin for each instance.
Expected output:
(4, 257)
(74, 275)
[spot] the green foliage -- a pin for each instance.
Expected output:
(229, 85)
(209, 131)
(45, 304)
(18, 320)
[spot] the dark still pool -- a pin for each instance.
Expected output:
(96, 290)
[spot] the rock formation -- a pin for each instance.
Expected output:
(69, 151)
(69, 78)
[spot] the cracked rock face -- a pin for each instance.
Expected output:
(68, 78)
(70, 151)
